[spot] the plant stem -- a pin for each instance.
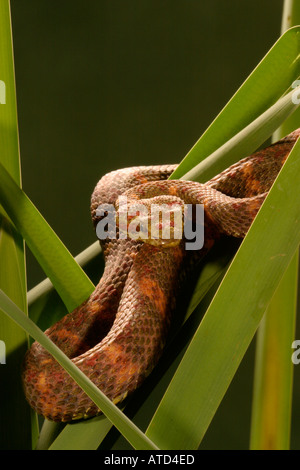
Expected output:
(271, 414)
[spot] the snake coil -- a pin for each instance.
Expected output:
(117, 335)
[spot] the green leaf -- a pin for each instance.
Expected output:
(15, 417)
(85, 435)
(231, 320)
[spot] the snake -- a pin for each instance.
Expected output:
(118, 335)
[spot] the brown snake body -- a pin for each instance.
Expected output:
(117, 335)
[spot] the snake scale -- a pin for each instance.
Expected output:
(117, 335)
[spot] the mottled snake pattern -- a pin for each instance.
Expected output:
(117, 336)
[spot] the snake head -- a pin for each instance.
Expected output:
(157, 221)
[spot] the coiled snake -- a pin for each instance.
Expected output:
(117, 336)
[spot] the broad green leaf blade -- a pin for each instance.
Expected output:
(273, 377)
(246, 141)
(15, 419)
(66, 275)
(116, 416)
(230, 322)
(265, 85)
(85, 435)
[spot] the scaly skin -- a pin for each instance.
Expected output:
(117, 336)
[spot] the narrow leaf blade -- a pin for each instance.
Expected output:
(15, 419)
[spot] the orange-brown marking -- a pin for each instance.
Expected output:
(151, 289)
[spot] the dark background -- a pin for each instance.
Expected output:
(104, 84)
